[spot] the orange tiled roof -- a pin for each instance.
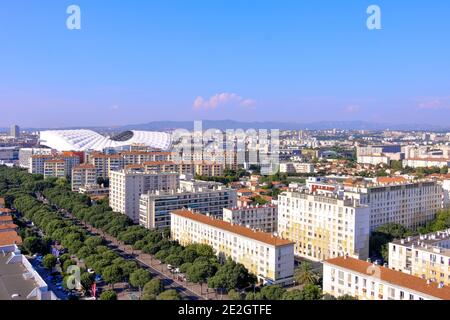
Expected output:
(11, 226)
(6, 218)
(387, 180)
(9, 238)
(245, 232)
(395, 277)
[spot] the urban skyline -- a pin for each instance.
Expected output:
(299, 62)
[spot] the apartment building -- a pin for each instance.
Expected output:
(209, 169)
(126, 187)
(105, 163)
(296, 167)
(82, 175)
(36, 163)
(324, 226)
(380, 154)
(55, 168)
(270, 258)
(71, 160)
(25, 155)
(426, 162)
(155, 207)
(367, 281)
(411, 204)
(263, 218)
(141, 157)
(425, 256)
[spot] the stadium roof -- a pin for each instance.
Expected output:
(82, 140)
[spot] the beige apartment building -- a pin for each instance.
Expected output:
(324, 226)
(425, 256)
(270, 258)
(83, 175)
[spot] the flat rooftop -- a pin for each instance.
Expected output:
(12, 280)
(429, 242)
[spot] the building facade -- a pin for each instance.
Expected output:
(323, 227)
(82, 175)
(126, 187)
(426, 256)
(155, 207)
(270, 258)
(411, 204)
(263, 218)
(366, 281)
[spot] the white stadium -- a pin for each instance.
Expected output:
(82, 140)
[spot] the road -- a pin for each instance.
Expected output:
(188, 290)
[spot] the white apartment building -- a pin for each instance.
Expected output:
(263, 218)
(126, 187)
(155, 207)
(425, 256)
(82, 175)
(426, 162)
(324, 226)
(270, 258)
(36, 163)
(411, 204)
(26, 153)
(366, 281)
(296, 167)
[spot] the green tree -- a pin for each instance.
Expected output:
(305, 275)
(112, 275)
(273, 292)
(169, 295)
(139, 278)
(49, 261)
(312, 292)
(33, 245)
(293, 295)
(153, 287)
(108, 295)
(234, 295)
(200, 271)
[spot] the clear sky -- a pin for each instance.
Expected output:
(138, 61)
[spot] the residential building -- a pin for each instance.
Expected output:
(367, 281)
(324, 226)
(426, 162)
(263, 218)
(82, 175)
(25, 155)
(270, 258)
(411, 204)
(126, 187)
(20, 281)
(426, 256)
(209, 169)
(37, 161)
(296, 167)
(155, 207)
(55, 168)
(105, 163)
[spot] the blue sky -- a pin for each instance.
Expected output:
(138, 61)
